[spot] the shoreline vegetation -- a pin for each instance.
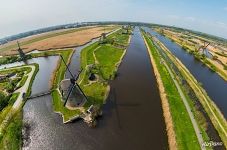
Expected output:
(213, 112)
(164, 100)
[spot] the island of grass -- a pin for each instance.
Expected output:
(100, 59)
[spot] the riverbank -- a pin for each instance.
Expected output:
(212, 110)
(165, 104)
(172, 102)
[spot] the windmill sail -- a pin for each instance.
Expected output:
(72, 94)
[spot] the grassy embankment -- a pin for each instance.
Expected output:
(184, 131)
(102, 60)
(209, 106)
(11, 137)
(207, 61)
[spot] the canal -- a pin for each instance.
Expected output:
(214, 85)
(132, 117)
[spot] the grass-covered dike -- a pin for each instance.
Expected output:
(184, 133)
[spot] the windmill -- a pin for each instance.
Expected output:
(125, 29)
(102, 39)
(21, 53)
(71, 92)
(203, 48)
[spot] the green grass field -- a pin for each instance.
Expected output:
(119, 38)
(185, 134)
(12, 139)
(107, 57)
(86, 55)
(58, 107)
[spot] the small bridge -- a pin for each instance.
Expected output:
(40, 94)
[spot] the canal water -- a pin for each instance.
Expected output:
(132, 117)
(214, 85)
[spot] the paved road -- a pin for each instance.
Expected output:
(24, 88)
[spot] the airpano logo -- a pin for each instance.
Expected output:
(212, 144)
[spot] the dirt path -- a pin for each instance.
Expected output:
(96, 61)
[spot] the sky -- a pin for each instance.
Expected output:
(209, 16)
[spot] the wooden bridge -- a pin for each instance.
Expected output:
(40, 94)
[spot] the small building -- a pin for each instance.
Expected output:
(90, 110)
(2, 77)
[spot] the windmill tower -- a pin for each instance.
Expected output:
(102, 39)
(72, 94)
(125, 29)
(203, 49)
(20, 51)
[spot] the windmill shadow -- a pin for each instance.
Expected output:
(117, 105)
